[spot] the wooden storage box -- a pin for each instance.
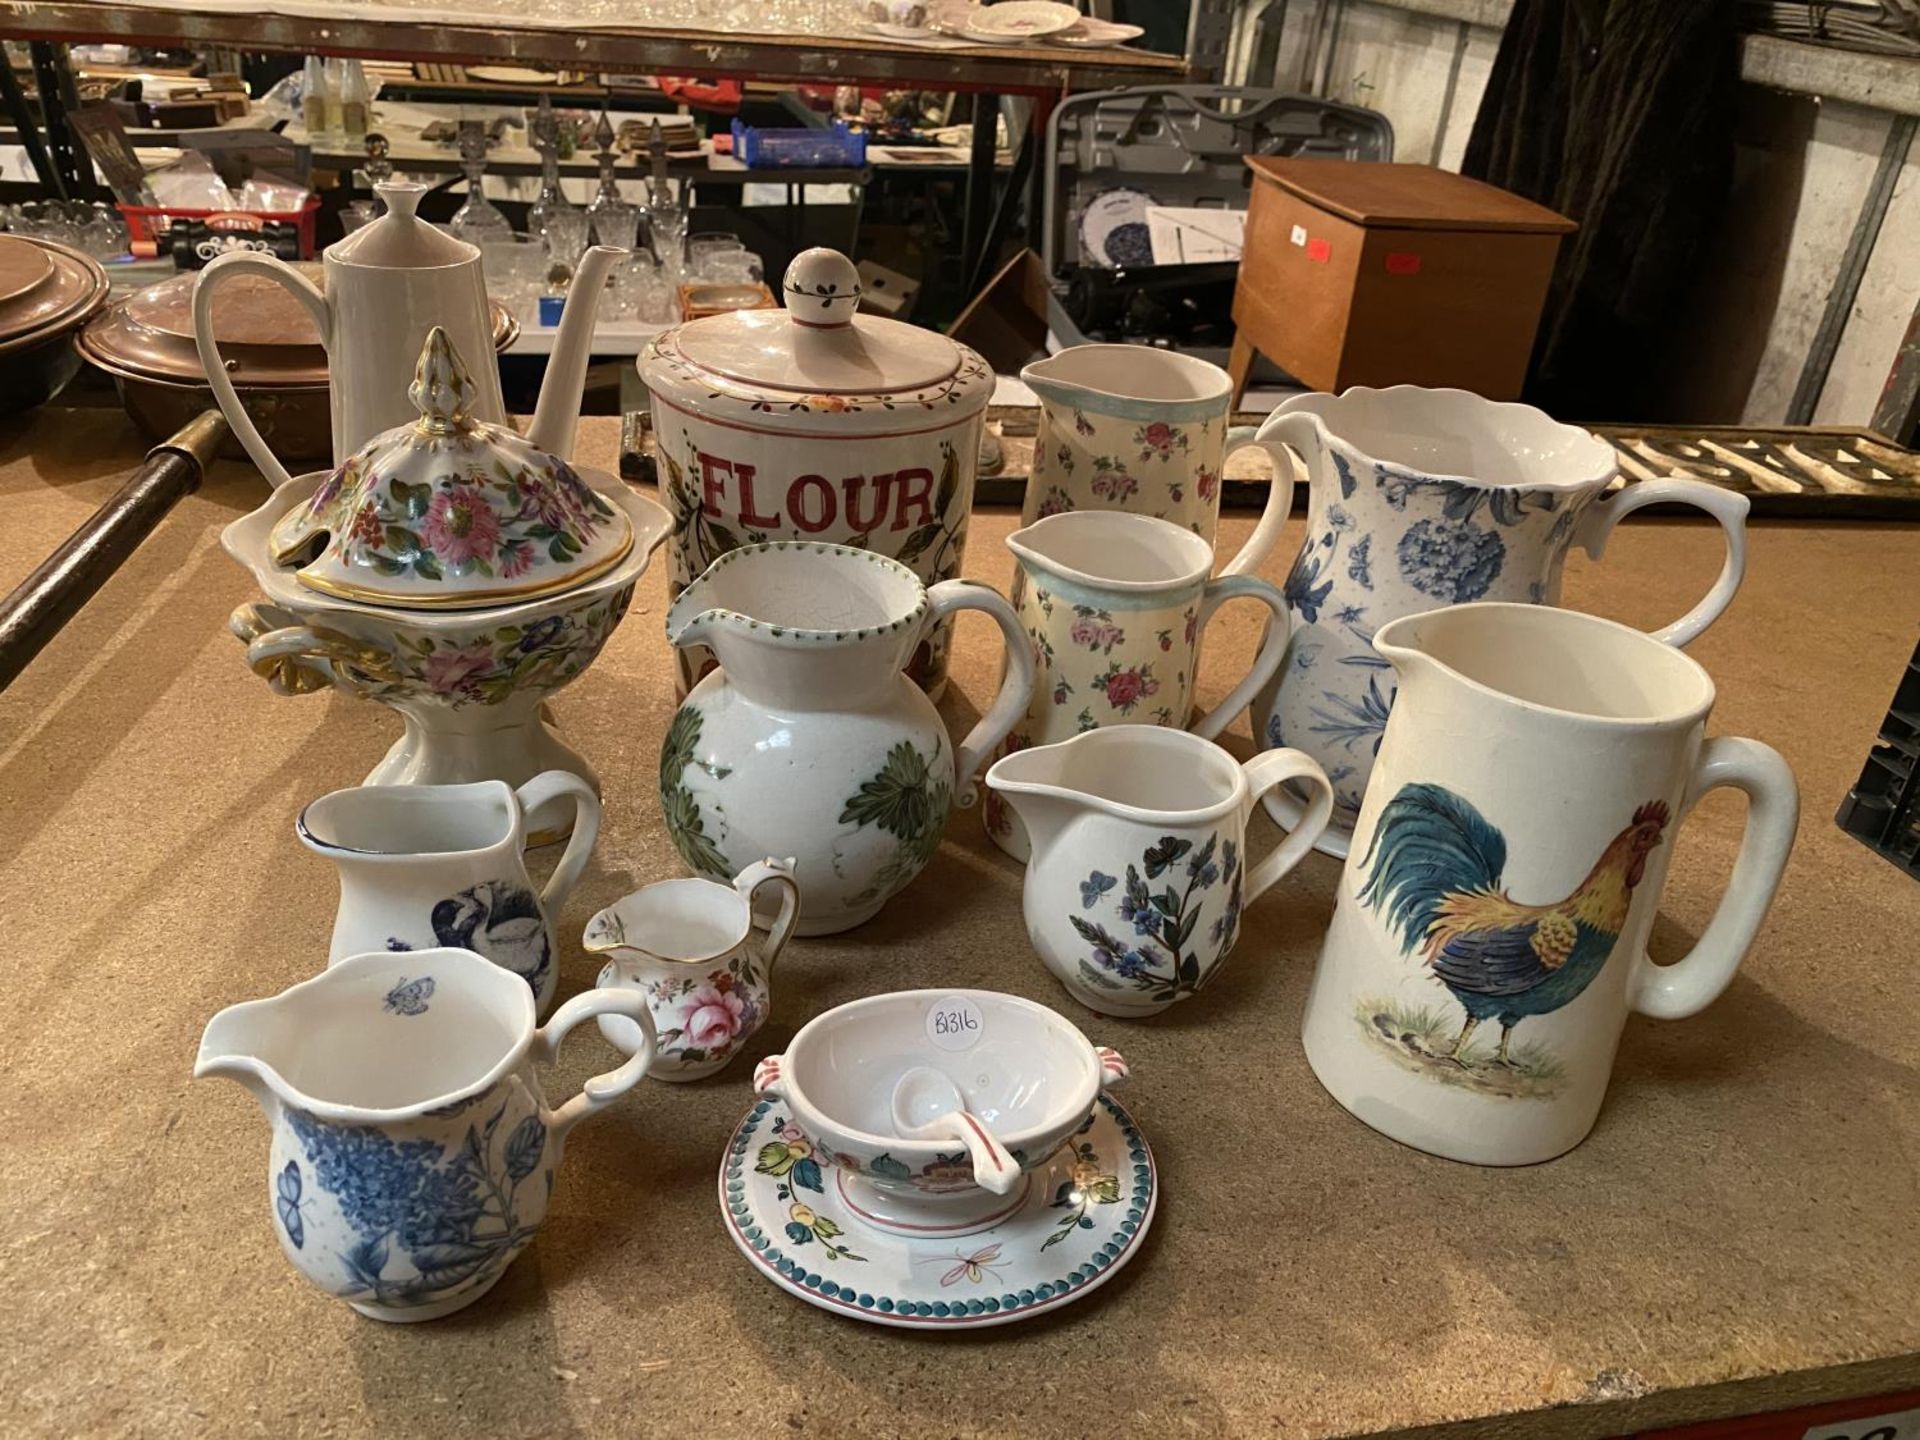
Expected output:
(1358, 273)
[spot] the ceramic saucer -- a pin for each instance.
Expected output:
(1092, 34)
(1082, 1219)
(1285, 808)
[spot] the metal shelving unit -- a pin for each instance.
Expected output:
(1042, 73)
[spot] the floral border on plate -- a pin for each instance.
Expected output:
(1141, 1201)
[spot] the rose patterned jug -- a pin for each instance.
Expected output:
(1125, 427)
(426, 865)
(1422, 498)
(809, 740)
(414, 1151)
(688, 946)
(1115, 606)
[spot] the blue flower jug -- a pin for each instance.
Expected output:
(1419, 499)
(414, 1151)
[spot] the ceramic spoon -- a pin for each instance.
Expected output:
(929, 1106)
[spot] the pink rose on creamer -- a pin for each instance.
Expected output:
(1159, 435)
(712, 1017)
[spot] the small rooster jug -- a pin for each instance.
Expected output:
(809, 740)
(413, 1151)
(688, 946)
(1489, 936)
(426, 865)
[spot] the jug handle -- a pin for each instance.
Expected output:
(772, 872)
(544, 789)
(602, 1090)
(1691, 983)
(1016, 689)
(1723, 505)
(1290, 427)
(242, 262)
(1273, 645)
(1275, 767)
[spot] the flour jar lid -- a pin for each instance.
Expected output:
(816, 364)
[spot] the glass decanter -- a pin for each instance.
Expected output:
(546, 139)
(479, 220)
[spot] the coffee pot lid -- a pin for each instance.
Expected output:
(400, 239)
(450, 511)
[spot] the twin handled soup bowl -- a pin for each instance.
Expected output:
(1024, 1071)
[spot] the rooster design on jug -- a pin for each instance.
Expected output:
(1434, 873)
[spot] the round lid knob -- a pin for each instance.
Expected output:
(822, 288)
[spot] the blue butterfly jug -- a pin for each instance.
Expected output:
(1140, 867)
(413, 1152)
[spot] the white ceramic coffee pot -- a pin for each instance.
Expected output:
(387, 286)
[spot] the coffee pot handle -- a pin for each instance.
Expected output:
(548, 788)
(242, 262)
(1273, 646)
(1690, 984)
(602, 1090)
(1725, 506)
(1302, 432)
(1016, 688)
(1264, 771)
(772, 872)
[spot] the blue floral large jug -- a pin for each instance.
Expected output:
(1423, 498)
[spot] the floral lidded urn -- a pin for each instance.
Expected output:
(450, 511)
(817, 423)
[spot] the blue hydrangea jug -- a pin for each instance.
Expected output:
(413, 1151)
(1419, 499)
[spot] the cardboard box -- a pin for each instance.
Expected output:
(1359, 273)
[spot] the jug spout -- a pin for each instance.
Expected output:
(1403, 644)
(231, 1047)
(557, 412)
(1029, 781)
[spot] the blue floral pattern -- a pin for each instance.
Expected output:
(427, 1220)
(1383, 541)
(1158, 959)
(1450, 560)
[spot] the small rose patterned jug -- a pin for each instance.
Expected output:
(414, 1151)
(688, 946)
(1125, 427)
(1115, 606)
(1422, 498)
(1134, 893)
(426, 865)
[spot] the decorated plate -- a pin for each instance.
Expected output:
(1018, 22)
(1082, 1220)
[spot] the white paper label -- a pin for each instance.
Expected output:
(1299, 236)
(1903, 1426)
(955, 1023)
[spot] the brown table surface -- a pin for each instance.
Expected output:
(1737, 1234)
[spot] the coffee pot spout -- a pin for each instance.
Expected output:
(557, 412)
